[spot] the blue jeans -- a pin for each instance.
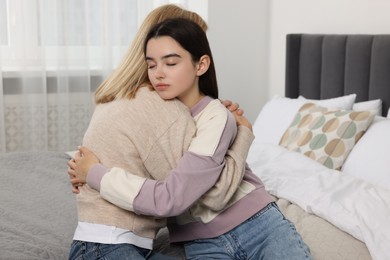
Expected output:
(81, 250)
(266, 235)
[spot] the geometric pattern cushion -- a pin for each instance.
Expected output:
(326, 136)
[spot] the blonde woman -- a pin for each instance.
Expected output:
(134, 129)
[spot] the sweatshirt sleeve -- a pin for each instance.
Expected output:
(95, 175)
(197, 171)
(193, 176)
(121, 188)
(232, 174)
(215, 198)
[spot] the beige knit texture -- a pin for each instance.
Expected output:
(145, 136)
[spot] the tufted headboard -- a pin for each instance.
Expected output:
(320, 66)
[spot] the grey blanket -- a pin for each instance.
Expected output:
(37, 208)
(38, 214)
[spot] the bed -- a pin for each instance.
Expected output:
(38, 214)
(322, 149)
(37, 208)
(340, 206)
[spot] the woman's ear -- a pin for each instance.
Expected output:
(203, 65)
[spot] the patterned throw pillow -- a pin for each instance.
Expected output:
(324, 135)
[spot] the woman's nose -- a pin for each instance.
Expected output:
(159, 73)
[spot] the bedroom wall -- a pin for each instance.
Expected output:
(248, 39)
(238, 35)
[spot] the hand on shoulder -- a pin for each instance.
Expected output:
(233, 107)
(242, 120)
(238, 113)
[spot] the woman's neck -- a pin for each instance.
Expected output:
(191, 100)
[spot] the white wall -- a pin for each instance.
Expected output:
(238, 35)
(248, 39)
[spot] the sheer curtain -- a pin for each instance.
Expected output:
(54, 54)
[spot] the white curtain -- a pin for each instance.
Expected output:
(54, 54)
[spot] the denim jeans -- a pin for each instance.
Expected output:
(266, 235)
(81, 250)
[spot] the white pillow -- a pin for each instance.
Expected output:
(369, 159)
(277, 114)
(371, 105)
(344, 102)
(388, 113)
(274, 118)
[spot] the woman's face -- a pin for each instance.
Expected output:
(171, 70)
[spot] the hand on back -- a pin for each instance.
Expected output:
(79, 166)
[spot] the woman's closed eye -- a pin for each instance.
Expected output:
(151, 65)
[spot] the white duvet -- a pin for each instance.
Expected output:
(351, 204)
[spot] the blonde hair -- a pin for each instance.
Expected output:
(131, 73)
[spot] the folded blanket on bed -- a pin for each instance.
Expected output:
(353, 205)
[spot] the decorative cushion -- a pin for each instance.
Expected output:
(277, 114)
(324, 135)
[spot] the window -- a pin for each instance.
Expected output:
(54, 53)
(36, 33)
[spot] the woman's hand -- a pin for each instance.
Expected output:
(242, 120)
(233, 107)
(238, 113)
(80, 166)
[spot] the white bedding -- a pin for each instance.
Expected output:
(353, 205)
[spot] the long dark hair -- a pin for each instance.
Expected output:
(194, 40)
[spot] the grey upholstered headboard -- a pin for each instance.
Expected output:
(320, 66)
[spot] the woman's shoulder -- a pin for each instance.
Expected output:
(215, 111)
(209, 108)
(150, 98)
(214, 123)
